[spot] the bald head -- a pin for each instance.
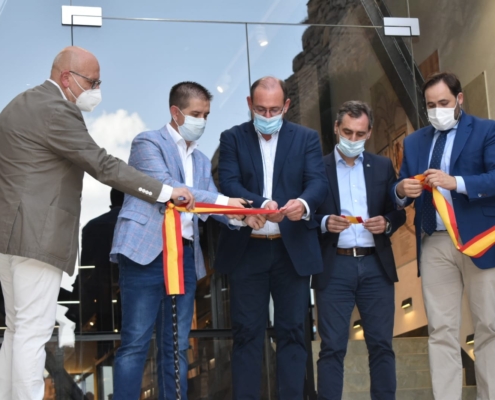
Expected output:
(269, 83)
(78, 60)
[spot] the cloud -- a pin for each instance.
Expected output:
(114, 132)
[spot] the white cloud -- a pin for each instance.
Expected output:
(114, 132)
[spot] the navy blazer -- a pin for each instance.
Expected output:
(380, 177)
(298, 173)
(473, 158)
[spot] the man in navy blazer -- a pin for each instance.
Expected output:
(457, 154)
(359, 266)
(272, 162)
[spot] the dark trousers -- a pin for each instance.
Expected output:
(361, 281)
(267, 269)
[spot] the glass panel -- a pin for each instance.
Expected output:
(87, 370)
(286, 11)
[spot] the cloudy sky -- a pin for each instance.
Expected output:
(141, 60)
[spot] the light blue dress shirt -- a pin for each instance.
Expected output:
(445, 167)
(353, 202)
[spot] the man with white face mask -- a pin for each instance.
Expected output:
(171, 156)
(359, 267)
(45, 149)
(457, 155)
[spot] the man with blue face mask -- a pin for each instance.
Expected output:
(171, 156)
(359, 267)
(457, 155)
(274, 163)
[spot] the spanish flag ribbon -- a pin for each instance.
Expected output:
(353, 220)
(173, 252)
(478, 245)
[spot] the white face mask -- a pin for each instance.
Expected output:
(443, 119)
(349, 148)
(192, 128)
(88, 99)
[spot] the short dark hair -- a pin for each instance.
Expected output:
(183, 91)
(354, 109)
(449, 78)
(116, 198)
(267, 83)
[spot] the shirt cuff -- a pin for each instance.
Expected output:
(461, 185)
(165, 194)
(324, 224)
(236, 222)
(264, 203)
(222, 200)
(400, 202)
(306, 216)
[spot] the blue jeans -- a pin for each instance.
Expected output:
(144, 303)
(361, 281)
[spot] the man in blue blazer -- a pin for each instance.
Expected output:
(457, 154)
(359, 266)
(169, 155)
(272, 162)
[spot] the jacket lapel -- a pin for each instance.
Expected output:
(285, 137)
(424, 150)
(368, 179)
(461, 137)
(255, 153)
(174, 152)
(333, 180)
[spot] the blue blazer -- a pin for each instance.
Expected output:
(379, 177)
(473, 158)
(138, 233)
(298, 173)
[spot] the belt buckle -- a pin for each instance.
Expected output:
(354, 254)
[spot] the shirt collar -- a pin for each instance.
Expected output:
(179, 140)
(56, 84)
(339, 159)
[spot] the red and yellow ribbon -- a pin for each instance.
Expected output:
(353, 220)
(173, 252)
(478, 245)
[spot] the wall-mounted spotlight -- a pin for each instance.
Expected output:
(407, 303)
(470, 339)
(357, 324)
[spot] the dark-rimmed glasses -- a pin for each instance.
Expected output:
(94, 82)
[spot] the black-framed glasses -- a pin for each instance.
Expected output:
(94, 82)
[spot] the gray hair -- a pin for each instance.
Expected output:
(354, 109)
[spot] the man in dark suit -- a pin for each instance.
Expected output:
(272, 162)
(359, 265)
(457, 155)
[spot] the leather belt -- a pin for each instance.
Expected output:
(186, 242)
(356, 251)
(269, 237)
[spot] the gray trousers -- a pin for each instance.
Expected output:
(446, 273)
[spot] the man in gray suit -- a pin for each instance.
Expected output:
(45, 149)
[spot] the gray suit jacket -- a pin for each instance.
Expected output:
(45, 149)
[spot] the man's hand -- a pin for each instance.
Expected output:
(183, 196)
(409, 188)
(337, 224)
(294, 210)
(255, 221)
(376, 225)
(239, 203)
(272, 205)
(436, 177)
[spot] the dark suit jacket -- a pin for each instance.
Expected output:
(45, 149)
(298, 173)
(473, 158)
(379, 176)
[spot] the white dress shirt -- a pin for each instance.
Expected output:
(353, 202)
(445, 167)
(166, 192)
(268, 150)
(188, 166)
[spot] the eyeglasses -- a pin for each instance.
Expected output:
(272, 111)
(94, 82)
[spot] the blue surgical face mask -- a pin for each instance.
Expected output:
(192, 128)
(268, 126)
(350, 148)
